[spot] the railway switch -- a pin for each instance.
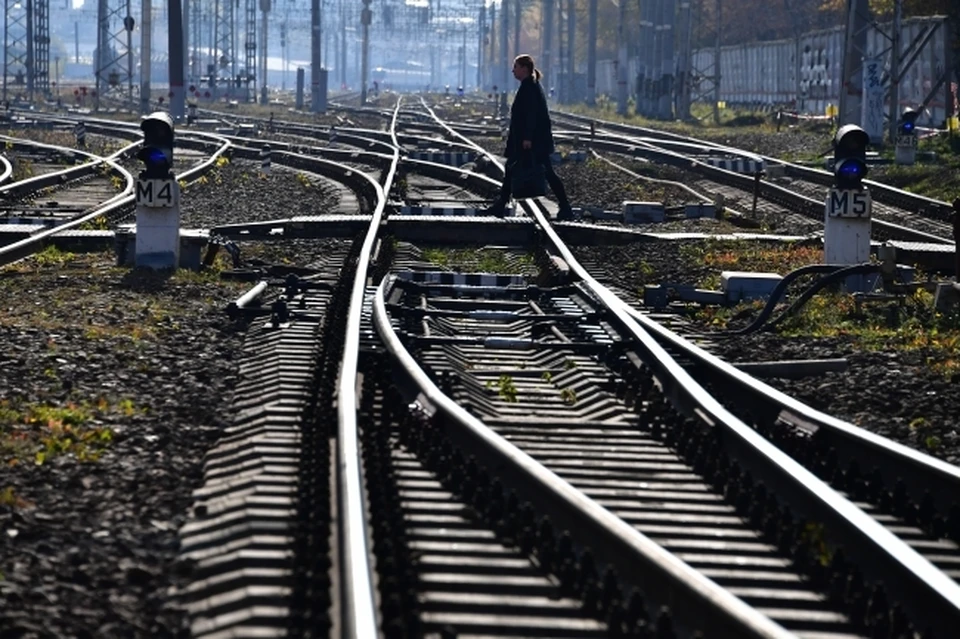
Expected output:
(157, 196)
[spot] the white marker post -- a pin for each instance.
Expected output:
(265, 159)
(906, 141)
(848, 206)
(157, 197)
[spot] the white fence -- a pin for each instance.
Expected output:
(805, 72)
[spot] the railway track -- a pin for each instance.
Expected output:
(899, 214)
(517, 455)
(112, 209)
(422, 451)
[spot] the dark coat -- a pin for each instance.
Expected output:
(530, 120)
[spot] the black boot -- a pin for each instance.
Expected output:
(498, 209)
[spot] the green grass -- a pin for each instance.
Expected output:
(40, 432)
(481, 260)
(10, 499)
(939, 180)
(723, 255)
(914, 328)
(53, 257)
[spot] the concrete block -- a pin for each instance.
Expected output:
(700, 209)
(596, 213)
(643, 212)
(189, 252)
(740, 286)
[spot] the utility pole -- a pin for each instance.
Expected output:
(103, 44)
(622, 61)
(953, 35)
(30, 48)
(655, 61)
(851, 86)
(561, 53)
(175, 48)
(187, 44)
(894, 107)
(546, 24)
(645, 59)
(365, 18)
(716, 66)
(592, 53)
(343, 46)
(264, 10)
(504, 58)
(517, 17)
(571, 48)
(196, 38)
(146, 28)
(684, 29)
(667, 17)
(315, 61)
(492, 50)
(482, 35)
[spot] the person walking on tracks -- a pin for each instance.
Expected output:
(531, 137)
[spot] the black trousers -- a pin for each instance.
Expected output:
(552, 179)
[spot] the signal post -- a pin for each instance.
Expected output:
(157, 197)
(848, 206)
(906, 141)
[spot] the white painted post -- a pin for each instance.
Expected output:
(265, 159)
(158, 224)
(157, 197)
(846, 232)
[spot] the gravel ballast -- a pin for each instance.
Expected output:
(88, 545)
(120, 381)
(889, 390)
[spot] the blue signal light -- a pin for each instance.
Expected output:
(851, 169)
(907, 126)
(154, 156)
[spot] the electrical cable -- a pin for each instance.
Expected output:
(826, 280)
(833, 274)
(779, 291)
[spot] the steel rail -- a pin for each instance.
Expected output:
(7, 169)
(451, 131)
(926, 473)
(357, 593)
(808, 206)
(882, 192)
(241, 142)
(57, 178)
(638, 559)
(928, 593)
(27, 246)
(452, 174)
